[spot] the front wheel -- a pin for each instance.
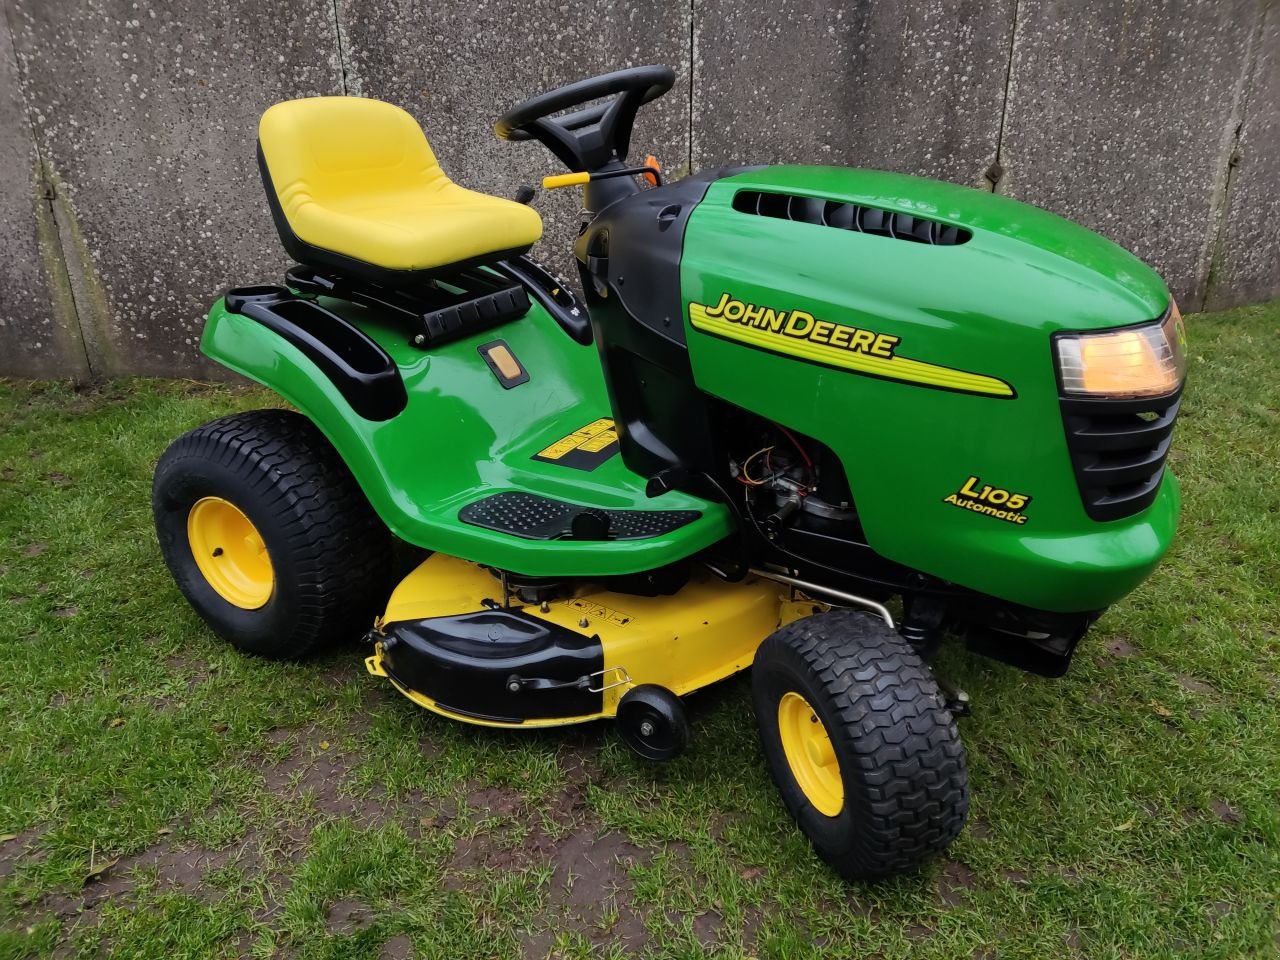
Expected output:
(860, 743)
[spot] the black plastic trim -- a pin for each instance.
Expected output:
(470, 663)
(1118, 450)
(363, 372)
(479, 300)
(533, 517)
(856, 218)
(552, 292)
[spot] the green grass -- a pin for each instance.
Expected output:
(1131, 809)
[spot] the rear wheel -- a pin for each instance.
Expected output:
(267, 534)
(860, 743)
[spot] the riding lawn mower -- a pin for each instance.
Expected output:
(811, 421)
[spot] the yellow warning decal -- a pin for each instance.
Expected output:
(584, 449)
(800, 334)
(599, 611)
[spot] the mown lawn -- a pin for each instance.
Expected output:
(164, 796)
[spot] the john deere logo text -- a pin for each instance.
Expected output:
(797, 333)
(803, 326)
(991, 501)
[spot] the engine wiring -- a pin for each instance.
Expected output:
(744, 475)
(804, 454)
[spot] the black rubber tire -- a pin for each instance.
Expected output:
(902, 765)
(330, 553)
(658, 706)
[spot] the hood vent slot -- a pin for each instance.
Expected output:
(849, 216)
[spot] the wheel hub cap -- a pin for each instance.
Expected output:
(230, 553)
(810, 754)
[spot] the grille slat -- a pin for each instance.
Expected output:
(1094, 433)
(1118, 449)
(849, 216)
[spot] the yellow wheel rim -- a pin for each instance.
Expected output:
(809, 753)
(230, 553)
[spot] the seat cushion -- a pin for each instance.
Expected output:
(357, 178)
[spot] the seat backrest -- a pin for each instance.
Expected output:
(323, 149)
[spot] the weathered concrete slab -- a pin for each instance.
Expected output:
(915, 87)
(1247, 264)
(1119, 116)
(1123, 116)
(39, 336)
(146, 115)
(456, 73)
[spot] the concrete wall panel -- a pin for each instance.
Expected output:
(146, 115)
(39, 335)
(456, 74)
(136, 201)
(1119, 116)
(1247, 264)
(914, 87)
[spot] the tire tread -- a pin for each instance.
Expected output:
(894, 722)
(340, 546)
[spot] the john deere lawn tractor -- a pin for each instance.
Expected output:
(806, 420)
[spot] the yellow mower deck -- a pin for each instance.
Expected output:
(706, 632)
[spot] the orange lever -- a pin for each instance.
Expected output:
(652, 161)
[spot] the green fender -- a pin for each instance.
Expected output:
(463, 436)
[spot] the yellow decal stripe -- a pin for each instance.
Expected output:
(593, 438)
(891, 368)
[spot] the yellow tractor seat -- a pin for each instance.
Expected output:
(354, 185)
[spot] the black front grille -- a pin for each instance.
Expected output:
(1118, 449)
(849, 216)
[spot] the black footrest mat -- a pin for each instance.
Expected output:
(533, 517)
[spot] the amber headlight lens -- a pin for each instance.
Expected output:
(1145, 361)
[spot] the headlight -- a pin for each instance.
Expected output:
(1145, 361)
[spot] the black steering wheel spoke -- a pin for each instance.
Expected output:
(563, 143)
(594, 136)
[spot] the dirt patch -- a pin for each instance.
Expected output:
(193, 670)
(501, 850)
(169, 867)
(34, 549)
(1192, 685)
(1218, 910)
(706, 928)
(397, 948)
(316, 773)
(1069, 874)
(64, 612)
(1225, 812)
(349, 916)
(496, 801)
(1120, 648)
(954, 884)
(590, 887)
(19, 847)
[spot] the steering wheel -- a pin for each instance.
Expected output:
(589, 138)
